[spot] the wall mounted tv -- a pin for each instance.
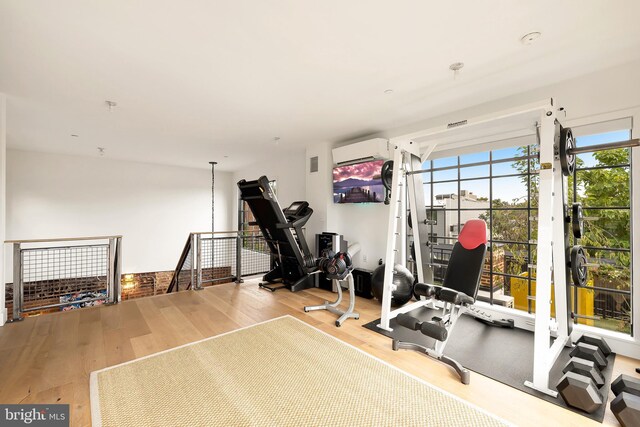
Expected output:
(359, 183)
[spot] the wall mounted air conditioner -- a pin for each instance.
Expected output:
(371, 149)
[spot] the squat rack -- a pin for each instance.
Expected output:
(411, 150)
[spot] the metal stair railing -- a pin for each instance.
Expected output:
(221, 256)
(65, 272)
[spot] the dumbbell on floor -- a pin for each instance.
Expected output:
(584, 367)
(597, 341)
(590, 352)
(582, 377)
(626, 405)
(579, 391)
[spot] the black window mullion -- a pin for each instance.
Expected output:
(491, 227)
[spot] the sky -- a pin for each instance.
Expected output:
(365, 171)
(507, 188)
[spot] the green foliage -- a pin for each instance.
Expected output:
(602, 186)
(606, 187)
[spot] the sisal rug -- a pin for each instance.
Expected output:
(278, 373)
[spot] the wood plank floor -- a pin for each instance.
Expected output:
(48, 359)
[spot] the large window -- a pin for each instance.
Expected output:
(601, 183)
(501, 187)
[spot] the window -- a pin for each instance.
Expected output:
(601, 183)
(501, 187)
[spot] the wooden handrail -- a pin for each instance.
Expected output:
(64, 239)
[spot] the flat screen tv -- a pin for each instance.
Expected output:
(359, 183)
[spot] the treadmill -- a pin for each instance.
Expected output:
(292, 261)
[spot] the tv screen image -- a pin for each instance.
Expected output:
(359, 183)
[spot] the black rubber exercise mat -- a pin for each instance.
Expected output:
(503, 354)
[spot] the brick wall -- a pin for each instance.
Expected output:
(139, 285)
(134, 285)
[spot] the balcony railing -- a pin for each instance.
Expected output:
(65, 273)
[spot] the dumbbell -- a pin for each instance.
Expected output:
(579, 391)
(584, 367)
(626, 405)
(597, 341)
(582, 377)
(590, 352)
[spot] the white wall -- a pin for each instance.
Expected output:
(3, 162)
(154, 207)
(287, 168)
(607, 91)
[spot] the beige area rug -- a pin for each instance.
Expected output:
(278, 373)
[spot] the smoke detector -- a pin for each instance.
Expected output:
(529, 38)
(111, 105)
(456, 67)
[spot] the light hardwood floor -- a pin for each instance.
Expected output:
(48, 359)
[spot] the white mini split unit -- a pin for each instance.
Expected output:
(364, 151)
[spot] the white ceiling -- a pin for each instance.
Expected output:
(199, 80)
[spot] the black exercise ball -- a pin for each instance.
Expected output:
(402, 278)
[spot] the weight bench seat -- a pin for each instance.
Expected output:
(458, 292)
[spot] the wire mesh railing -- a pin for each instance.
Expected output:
(220, 257)
(256, 256)
(65, 273)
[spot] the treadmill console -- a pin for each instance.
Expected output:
(296, 209)
(298, 213)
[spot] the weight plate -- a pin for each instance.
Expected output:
(386, 174)
(579, 269)
(346, 256)
(567, 143)
(577, 220)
